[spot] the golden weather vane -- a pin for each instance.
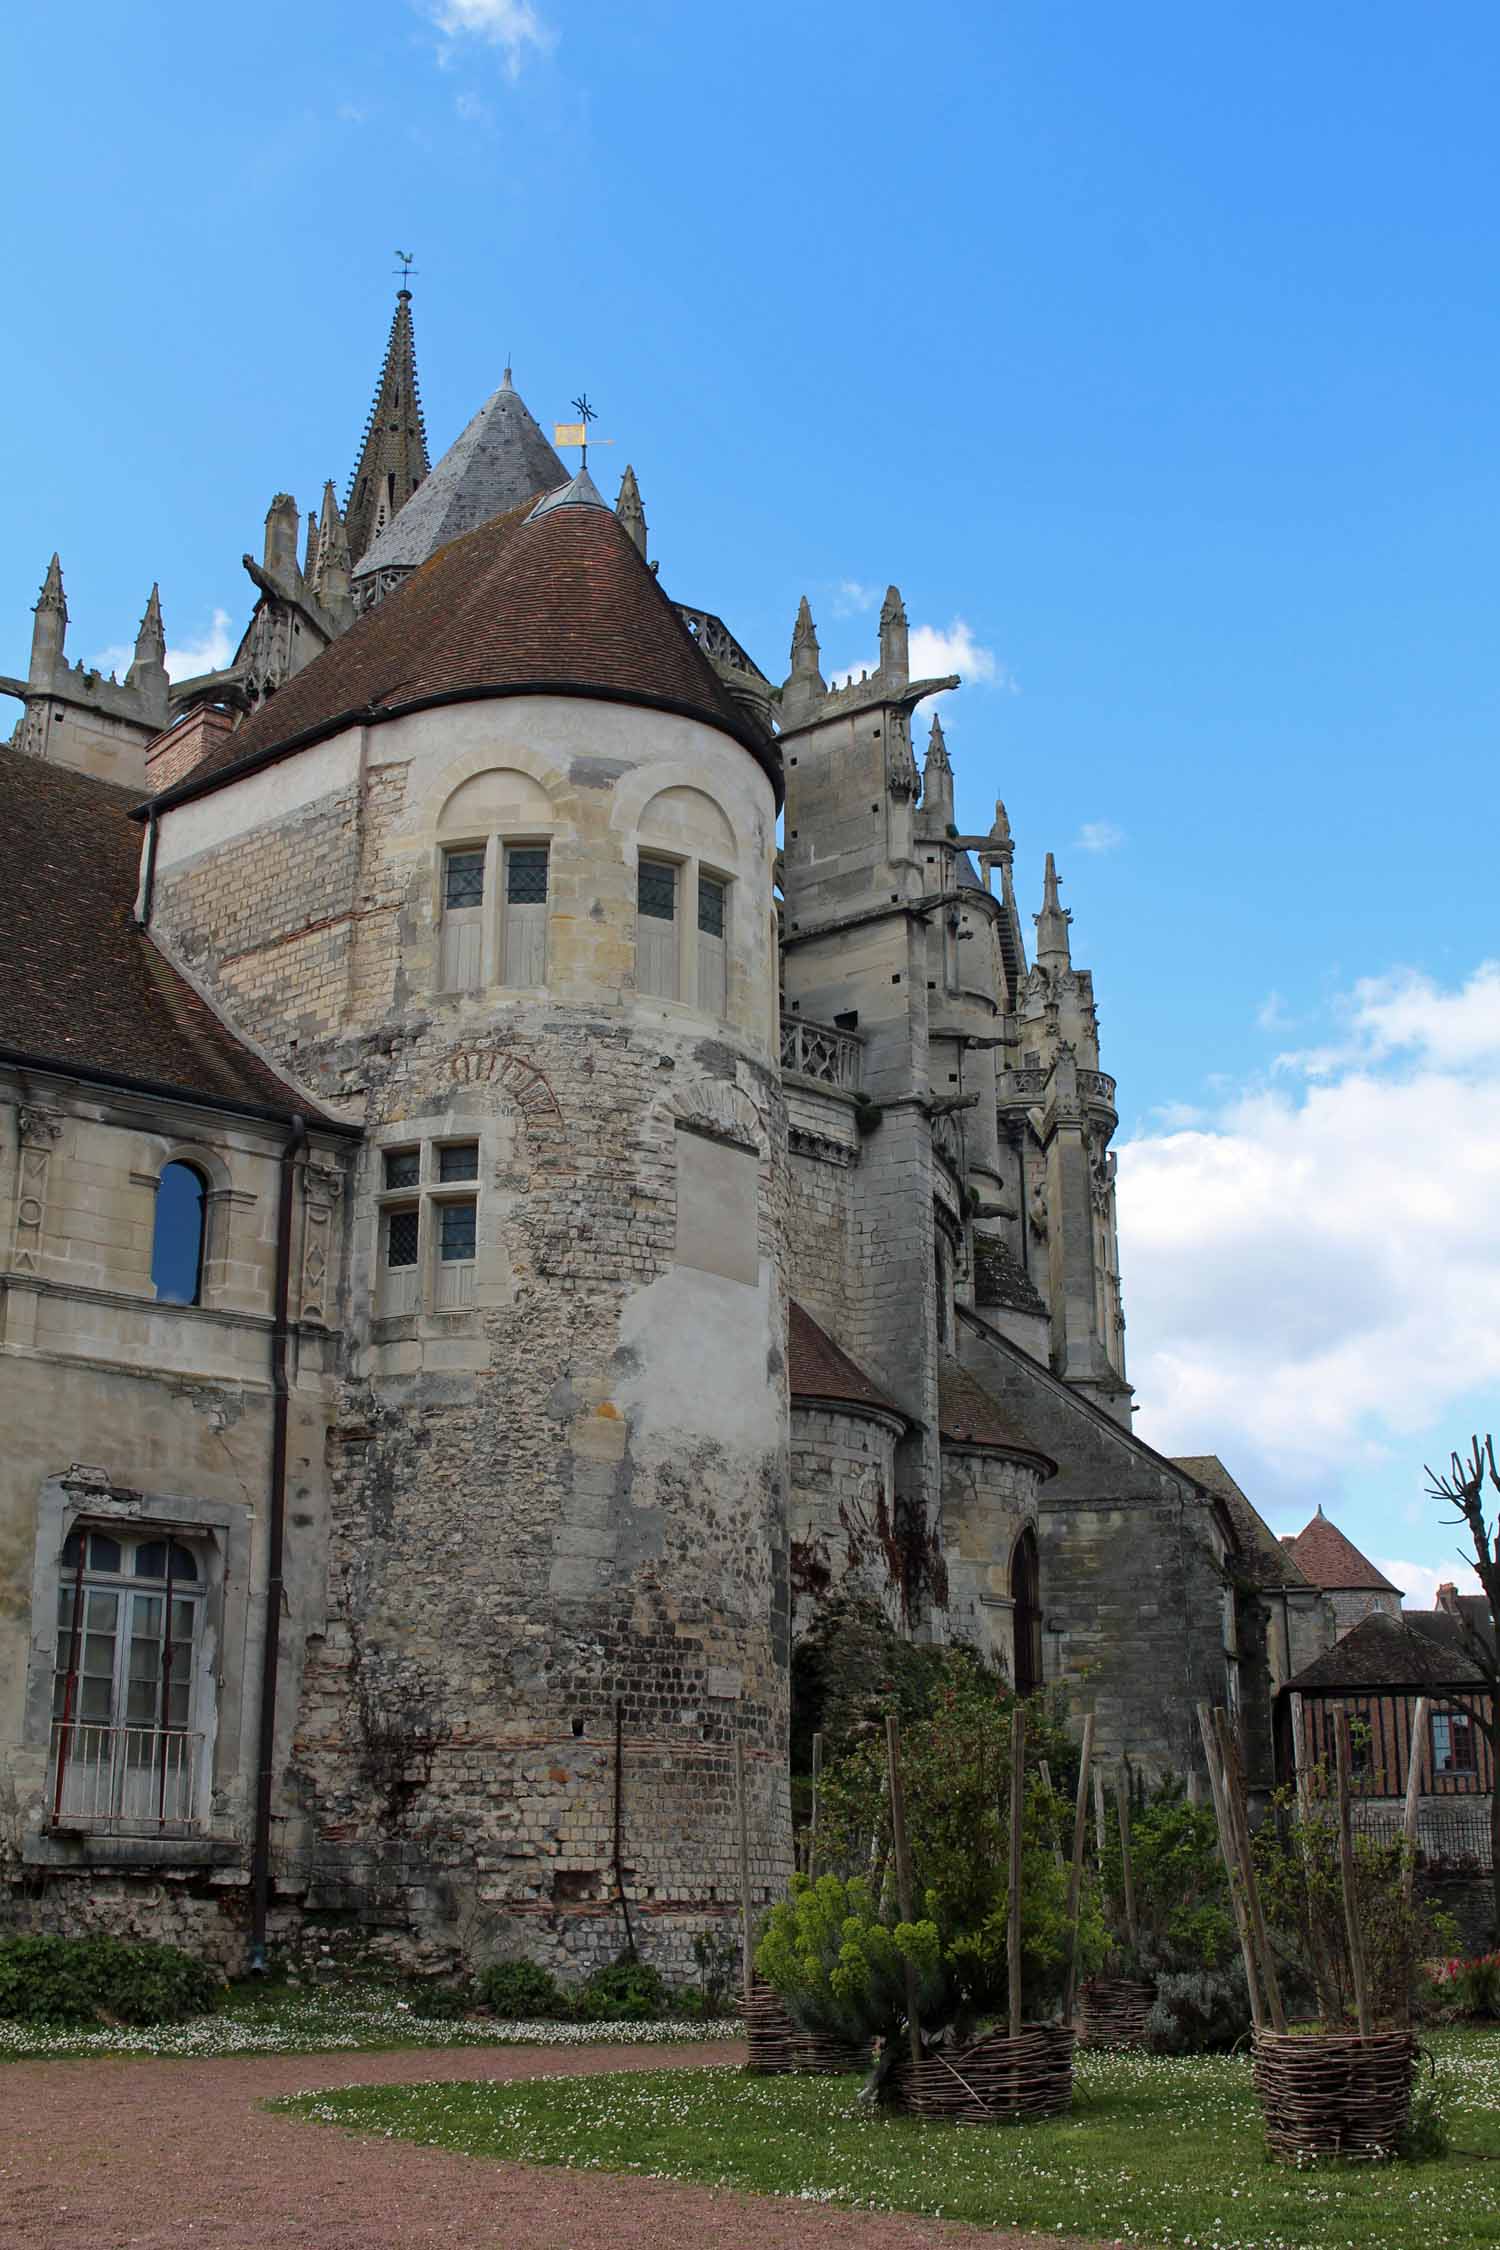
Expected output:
(577, 433)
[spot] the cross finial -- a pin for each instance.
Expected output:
(404, 270)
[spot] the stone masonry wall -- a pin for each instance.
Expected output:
(842, 1509)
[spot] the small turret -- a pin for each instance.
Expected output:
(937, 780)
(895, 656)
(630, 511)
(281, 538)
(51, 626)
(331, 580)
(148, 666)
(805, 685)
(1052, 946)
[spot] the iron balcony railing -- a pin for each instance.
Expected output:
(124, 1780)
(817, 1050)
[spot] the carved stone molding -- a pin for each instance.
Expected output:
(724, 1112)
(38, 1128)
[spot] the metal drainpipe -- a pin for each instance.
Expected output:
(148, 879)
(260, 1857)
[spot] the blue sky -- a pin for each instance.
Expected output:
(1153, 351)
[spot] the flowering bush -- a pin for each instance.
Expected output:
(1468, 1990)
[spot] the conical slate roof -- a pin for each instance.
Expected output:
(500, 459)
(562, 604)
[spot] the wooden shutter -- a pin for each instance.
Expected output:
(525, 940)
(461, 968)
(712, 971)
(656, 929)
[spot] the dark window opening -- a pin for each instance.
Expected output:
(526, 875)
(459, 1161)
(1026, 1593)
(402, 1167)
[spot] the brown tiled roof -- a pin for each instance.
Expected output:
(967, 1415)
(818, 1369)
(1333, 1562)
(80, 986)
(1384, 1652)
(560, 604)
(1261, 1557)
(1447, 1626)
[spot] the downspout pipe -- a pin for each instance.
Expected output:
(148, 874)
(265, 1776)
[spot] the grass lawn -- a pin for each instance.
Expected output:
(1156, 2151)
(340, 2019)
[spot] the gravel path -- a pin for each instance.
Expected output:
(158, 2155)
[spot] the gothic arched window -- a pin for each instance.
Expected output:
(177, 1244)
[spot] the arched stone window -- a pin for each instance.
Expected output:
(493, 848)
(687, 851)
(1026, 1617)
(178, 1241)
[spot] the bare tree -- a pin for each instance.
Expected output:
(1464, 1489)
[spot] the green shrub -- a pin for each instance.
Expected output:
(56, 1980)
(1199, 2011)
(521, 1992)
(1182, 1909)
(837, 1957)
(628, 1991)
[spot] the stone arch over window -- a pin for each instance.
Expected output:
(686, 855)
(689, 823)
(1026, 1614)
(494, 835)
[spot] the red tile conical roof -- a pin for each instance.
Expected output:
(1333, 1562)
(551, 602)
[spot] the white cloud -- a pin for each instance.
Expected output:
(851, 599)
(210, 652)
(1419, 1582)
(472, 110)
(936, 649)
(513, 26)
(1272, 1015)
(1313, 1273)
(1099, 836)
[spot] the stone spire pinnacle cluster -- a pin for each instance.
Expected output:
(393, 457)
(630, 510)
(1052, 944)
(937, 776)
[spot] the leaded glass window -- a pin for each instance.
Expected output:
(401, 1238)
(526, 875)
(459, 1161)
(463, 879)
(403, 1167)
(456, 1231)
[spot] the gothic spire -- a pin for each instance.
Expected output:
(331, 583)
(393, 455)
(805, 651)
(630, 511)
(895, 661)
(937, 777)
(50, 629)
(150, 639)
(1052, 949)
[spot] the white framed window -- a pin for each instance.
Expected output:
(428, 1233)
(657, 944)
(127, 1732)
(523, 937)
(461, 967)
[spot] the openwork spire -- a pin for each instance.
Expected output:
(393, 456)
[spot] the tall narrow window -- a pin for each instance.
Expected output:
(1452, 1742)
(712, 984)
(401, 1273)
(524, 941)
(456, 1242)
(462, 965)
(656, 929)
(177, 1244)
(124, 1750)
(1026, 1617)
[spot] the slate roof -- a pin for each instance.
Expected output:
(80, 986)
(967, 1415)
(1000, 1280)
(1262, 1558)
(820, 1370)
(499, 460)
(1443, 1626)
(560, 605)
(1385, 1653)
(1334, 1562)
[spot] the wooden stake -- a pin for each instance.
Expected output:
(903, 1877)
(1413, 1796)
(1349, 1874)
(1099, 1815)
(1046, 1773)
(746, 1948)
(1299, 1756)
(1239, 1817)
(1075, 1873)
(812, 1832)
(1231, 1861)
(1017, 1824)
(1127, 1872)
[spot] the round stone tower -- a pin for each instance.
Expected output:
(526, 839)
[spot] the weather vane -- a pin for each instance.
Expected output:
(406, 257)
(577, 433)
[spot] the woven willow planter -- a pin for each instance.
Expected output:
(1333, 2093)
(777, 2044)
(997, 2080)
(1113, 2010)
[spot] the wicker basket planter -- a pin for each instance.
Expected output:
(1113, 2010)
(1333, 2093)
(777, 2044)
(997, 2080)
